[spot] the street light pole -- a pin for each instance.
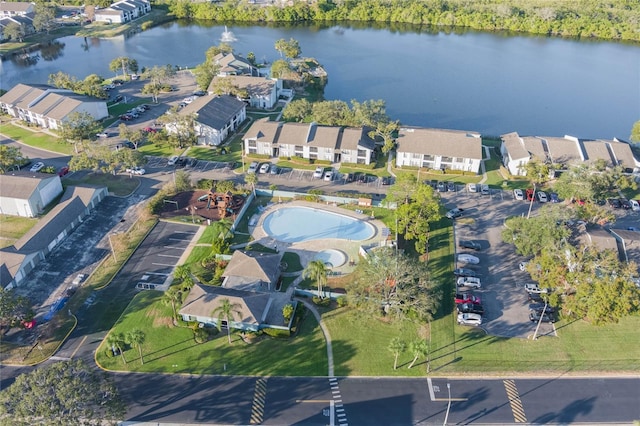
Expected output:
(113, 252)
(446, 417)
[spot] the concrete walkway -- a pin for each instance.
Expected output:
(325, 331)
(487, 154)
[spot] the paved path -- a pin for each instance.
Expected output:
(325, 331)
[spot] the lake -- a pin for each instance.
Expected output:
(486, 82)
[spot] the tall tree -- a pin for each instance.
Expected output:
(136, 338)
(10, 157)
(226, 312)
(396, 346)
(79, 126)
(44, 17)
(635, 132)
(124, 64)
(13, 309)
(14, 31)
(418, 348)
(62, 393)
(297, 110)
(118, 341)
(173, 297)
(317, 271)
(252, 180)
(289, 49)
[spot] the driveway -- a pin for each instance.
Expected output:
(503, 296)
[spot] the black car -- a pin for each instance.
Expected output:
(535, 297)
(434, 183)
(117, 82)
(386, 180)
(625, 204)
(442, 187)
(451, 186)
(470, 308)
(118, 98)
(348, 177)
(182, 161)
(363, 178)
(199, 93)
(474, 245)
(534, 316)
(540, 307)
(464, 272)
(615, 203)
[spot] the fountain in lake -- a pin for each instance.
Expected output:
(227, 36)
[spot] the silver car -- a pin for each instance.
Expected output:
(470, 319)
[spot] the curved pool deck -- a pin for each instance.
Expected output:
(308, 249)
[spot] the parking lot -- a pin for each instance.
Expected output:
(503, 295)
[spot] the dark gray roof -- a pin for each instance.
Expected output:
(214, 111)
(356, 137)
(21, 184)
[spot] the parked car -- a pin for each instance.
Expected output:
(118, 98)
(191, 162)
(523, 266)
(136, 170)
(442, 187)
(253, 167)
(467, 258)
(63, 171)
(473, 282)
(102, 135)
(529, 193)
(37, 167)
(348, 177)
(317, 174)
(78, 279)
(386, 180)
(433, 183)
(182, 161)
(625, 204)
(518, 194)
(472, 187)
(470, 308)
(274, 170)
(484, 190)
(467, 297)
(615, 203)
(199, 93)
(542, 196)
(453, 213)
(474, 245)
(635, 205)
(150, 130)
(546, 317)
(363, 178)
(535, 288)
(464, 272)
(264, 168)
(540, 307)
(535, 297)
(126, 117)
(172, 161)
(553, 197)
(451, 186)
(470, 319)
(328, 175)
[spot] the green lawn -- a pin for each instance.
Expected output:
(173, 350)
(120, 185)
(37, 139)
(14, 227)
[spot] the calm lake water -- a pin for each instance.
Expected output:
(491, 83)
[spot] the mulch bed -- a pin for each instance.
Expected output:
(188, 200)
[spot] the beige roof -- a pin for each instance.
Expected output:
(354, 137)
(515, 147)
(21, 95)
(597, 150)
(256, 86)
(202, 300)
(563, 150)
(450, 143)
(323, 136)
(15, 6)
(601, 239)
(21, 184)
(230, 62)
(263, 130)
(623, 154)
(293, 133)
(535, 147)
(57, 106)
(255, 266)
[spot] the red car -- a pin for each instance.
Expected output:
(149, 130)
(530, 194)
(63, 171)
(126, 117)
(467, 298)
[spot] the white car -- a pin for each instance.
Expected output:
(253, 167)
(172, 161)
(470, 319)
(518, 194)
(535, 288)
(103, 135)
(318, 173)
(542, 196)
(265, 168)
(328, 175)
(37, 167)
(78, 279)
(467, 258)
(136, 171)
(469, 282)
(635, 205)
(472, 187)
(484, 190)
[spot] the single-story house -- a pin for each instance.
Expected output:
(216, 118)
(233, 64)
(439, 149)
(48, 106)
(308, 140)
(24, 193)
(16, 8)
(251, 270)
(263, 92)
(122, 11)
(250, 308)
(518, 150)
(19, 259)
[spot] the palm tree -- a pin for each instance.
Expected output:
(316, 270)
(396, 346)
(136, 338)
(183, 273)
(419, 348)
(117, 340)
(251, 179)
(225, 312)
(173, 296)
(222, 229)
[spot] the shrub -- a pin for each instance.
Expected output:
(321, 301)
(201, 335)
(342, 301)
(204, 184)
(276, 332)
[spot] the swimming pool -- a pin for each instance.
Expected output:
(295, 224)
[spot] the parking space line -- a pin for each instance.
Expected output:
(169, 255)
(163, 264)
